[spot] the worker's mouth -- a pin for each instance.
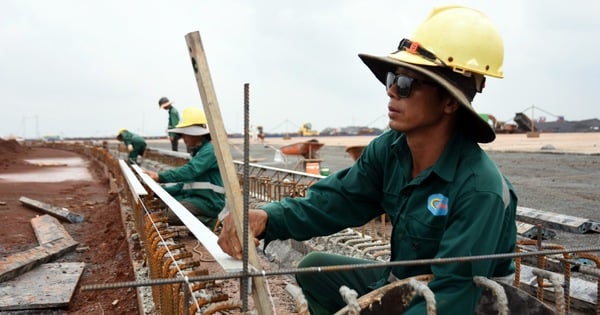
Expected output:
(392, 112)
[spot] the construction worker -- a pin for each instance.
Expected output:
(167, 105)
(197, 184)
(443, 194)
(135, 144)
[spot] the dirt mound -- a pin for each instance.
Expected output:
(10, 152)
(10, 146)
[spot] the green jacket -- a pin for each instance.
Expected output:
(173, 121)
(198, 181)
(461, 206)
(131, 138)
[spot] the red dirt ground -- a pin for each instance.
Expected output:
(103, 245)
(102, 241)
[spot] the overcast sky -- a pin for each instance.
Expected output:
(89, 68)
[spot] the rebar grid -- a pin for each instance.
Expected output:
(278, 190)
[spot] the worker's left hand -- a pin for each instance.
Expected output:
(129, 148)
(153, 175)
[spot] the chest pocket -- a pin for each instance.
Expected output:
(420, 235)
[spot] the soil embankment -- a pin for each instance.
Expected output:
(102, 242)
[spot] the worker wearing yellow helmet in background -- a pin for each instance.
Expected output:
(135, 144)
(443, 194)
(197, 185)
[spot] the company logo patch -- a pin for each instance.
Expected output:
(437, 204)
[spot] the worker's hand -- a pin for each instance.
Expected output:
(228, 239)
(129, 148)
(153, 175)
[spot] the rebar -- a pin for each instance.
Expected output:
(284, 271)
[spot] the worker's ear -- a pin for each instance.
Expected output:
(450, 104)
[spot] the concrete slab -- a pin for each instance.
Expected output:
(54, 246)
(58, 212)
(47, 286)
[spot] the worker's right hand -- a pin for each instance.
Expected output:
(153, 175)
(228, 238)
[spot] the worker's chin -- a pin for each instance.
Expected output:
(397, 126)
(191, 148)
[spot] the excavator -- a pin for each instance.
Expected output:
(306, 130)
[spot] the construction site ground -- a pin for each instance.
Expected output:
(555, 172)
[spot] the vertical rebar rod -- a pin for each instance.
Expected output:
(245, 190)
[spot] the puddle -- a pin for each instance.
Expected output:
(52, 170)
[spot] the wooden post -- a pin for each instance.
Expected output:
(225, 161)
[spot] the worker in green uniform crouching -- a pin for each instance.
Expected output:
(135, 144)
(197, 185)
(443, 194)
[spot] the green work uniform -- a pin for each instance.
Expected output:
(138, 143)
(199, 183)
(173, 121)
(460, 206)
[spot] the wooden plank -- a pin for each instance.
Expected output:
(48, 229)
(135, 186)
(200, 231)
(555, 220)
(47, 286)
(225, 161)
(19, 263)
(531, 231)
(60, 213)
(56, 242)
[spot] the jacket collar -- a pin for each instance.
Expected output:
(446, 165)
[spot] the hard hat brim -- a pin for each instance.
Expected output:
(481, 131)
(191, 130)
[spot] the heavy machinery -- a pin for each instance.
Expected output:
(306, 130)
(525, 123)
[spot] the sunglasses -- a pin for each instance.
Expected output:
(403, 83)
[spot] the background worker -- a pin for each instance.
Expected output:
(165, 104)
(197, 185)
(443, 194)
(135, 144)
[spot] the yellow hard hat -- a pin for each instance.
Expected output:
(193, 122)
(119, 134)
(192, 116)
(458, 37)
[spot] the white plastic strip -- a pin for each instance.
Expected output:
(202, 233)
(134, 183)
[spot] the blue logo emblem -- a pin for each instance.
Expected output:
(437, 204)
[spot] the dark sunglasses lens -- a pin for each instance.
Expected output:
(403, 85)
(402, 82)
(389, 81)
